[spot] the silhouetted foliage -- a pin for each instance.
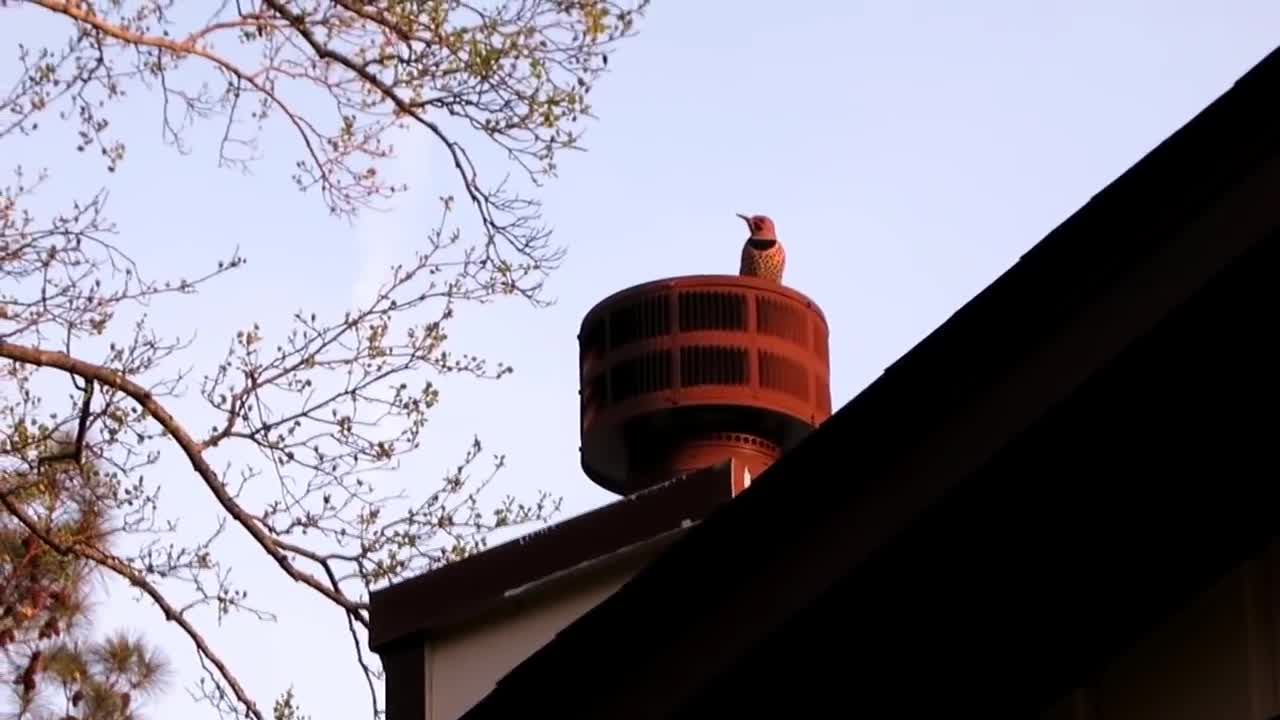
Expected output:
(56, 666)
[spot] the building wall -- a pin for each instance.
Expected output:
(1216, 659)
(463, 666)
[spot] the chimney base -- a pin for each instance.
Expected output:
(750, 456)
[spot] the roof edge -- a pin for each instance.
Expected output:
(1055, 282)
(467, 589)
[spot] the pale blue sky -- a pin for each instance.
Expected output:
(908, 152)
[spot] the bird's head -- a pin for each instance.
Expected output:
(761, 227)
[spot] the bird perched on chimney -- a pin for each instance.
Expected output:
(762, 254)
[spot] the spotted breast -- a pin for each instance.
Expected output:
(763, 259)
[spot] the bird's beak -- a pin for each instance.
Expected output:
(745, 218)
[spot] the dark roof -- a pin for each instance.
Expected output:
(1030, 481)
(462, 591)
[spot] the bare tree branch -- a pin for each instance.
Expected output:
(308, 411)
(517, 73)
(190, 448)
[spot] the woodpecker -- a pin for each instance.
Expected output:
(762, 254)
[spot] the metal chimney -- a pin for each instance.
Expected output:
(686, 372)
